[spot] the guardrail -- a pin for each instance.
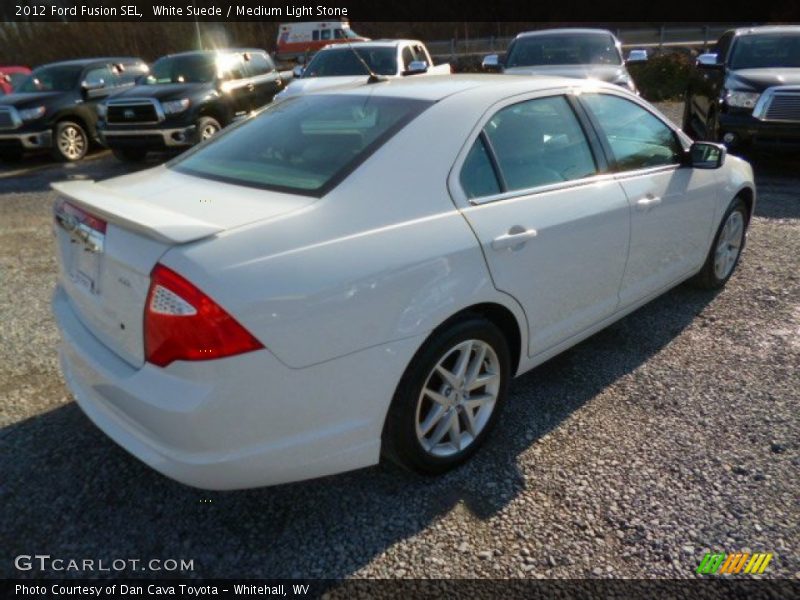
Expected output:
(701, 37)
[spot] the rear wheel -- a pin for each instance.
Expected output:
(726, 250)
(449, 398)
(130, 154)
(70, 142)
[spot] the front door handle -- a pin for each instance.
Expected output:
(514, 239)
(648, 202)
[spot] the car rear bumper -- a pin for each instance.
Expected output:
(239, 422)
(29, 140)
(749, 130)
(150, 139)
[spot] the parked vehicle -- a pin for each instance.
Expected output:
(10, 77)
(300, 38)
(748, 90)
(361, 272)
(335, 66)
(582, 53)
(54, 107)
(186, 99)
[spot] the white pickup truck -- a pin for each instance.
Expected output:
(348, 64)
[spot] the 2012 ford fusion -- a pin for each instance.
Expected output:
(360, 273)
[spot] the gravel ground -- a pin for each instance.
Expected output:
(669, 434)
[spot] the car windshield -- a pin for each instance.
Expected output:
(191, 68)
(343, 61)
(305, 144)
(764, 51)
(564, 49)
(56, 78)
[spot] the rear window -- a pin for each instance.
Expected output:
(305, 145)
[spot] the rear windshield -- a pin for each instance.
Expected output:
(564, 49)
(764, 51)
(58, 78)
(192, 68)
(350, 60)
(305, 144)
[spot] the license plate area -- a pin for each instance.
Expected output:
(86, 245)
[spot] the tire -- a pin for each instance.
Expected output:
(70, 142)
(130, 154)
(411, 420)
(723, 257)
(207, 127)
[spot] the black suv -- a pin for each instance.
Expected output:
(54, 107)
(187, 98)
(748, 90)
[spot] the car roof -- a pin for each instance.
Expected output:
(86, 62)
(565, 30)
(382, 43)
(767, 29)
(437, 87)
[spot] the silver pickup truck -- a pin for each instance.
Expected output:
(348, 64)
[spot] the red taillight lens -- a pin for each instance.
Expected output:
(182, 323)
(64, 208)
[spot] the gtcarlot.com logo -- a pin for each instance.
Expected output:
(734, 563)
(45, 562)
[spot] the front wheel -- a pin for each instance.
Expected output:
(449, 397)
(726, 250)
(207, 127)
(70, 142)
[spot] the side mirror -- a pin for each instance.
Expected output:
(706, 155)
(416, 66)
(636, 56)
(298, 71)
(94, 89)
(491, 63)
(708, 61)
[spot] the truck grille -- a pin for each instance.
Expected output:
(784, 107)
(134, 112)
(8, 118)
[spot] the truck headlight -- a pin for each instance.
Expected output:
(31, 114)
(173, 107)
(742, 99)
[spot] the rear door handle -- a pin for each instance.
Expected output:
(648, 202)
(514, 239)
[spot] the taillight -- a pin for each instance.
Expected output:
(182, 323)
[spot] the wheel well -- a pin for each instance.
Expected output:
(503, 319)
(75, 119)
(214, 114)
(747, 196)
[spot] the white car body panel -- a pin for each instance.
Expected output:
(343, 288)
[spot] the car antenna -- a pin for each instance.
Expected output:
(373, 76)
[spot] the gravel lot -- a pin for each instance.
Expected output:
(671, 433)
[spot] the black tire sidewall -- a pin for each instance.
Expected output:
(400, 442)
(56, 151)
(202, 122)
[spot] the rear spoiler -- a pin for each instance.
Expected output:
(158, 223)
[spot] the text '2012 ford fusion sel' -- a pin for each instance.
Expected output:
(360, 273)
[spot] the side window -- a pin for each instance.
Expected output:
(315, 35)
(539, 142)
(637, 138)
(408, 58)
(723, 45)
(326, 34)
(258, 64)
(478, 177)
(101, 76)
(338, 34)
(233, 67)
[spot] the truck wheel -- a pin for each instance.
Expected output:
(207, 127)
(130, 154)
(70, 142)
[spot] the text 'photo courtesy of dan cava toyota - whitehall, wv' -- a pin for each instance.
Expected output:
(387, 300)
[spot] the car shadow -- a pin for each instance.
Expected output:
(777, 175)
(68, 491)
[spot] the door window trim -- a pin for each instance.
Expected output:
(455, 187)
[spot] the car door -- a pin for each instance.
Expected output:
(264, 78)
(236, 83)
(554, 229)
(672, 205)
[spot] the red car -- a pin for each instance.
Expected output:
(10, 77)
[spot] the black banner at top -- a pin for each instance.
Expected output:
(710, 11)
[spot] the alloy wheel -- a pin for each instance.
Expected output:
(72, 142)
(729, 245)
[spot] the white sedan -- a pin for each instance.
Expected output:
(360, 273)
